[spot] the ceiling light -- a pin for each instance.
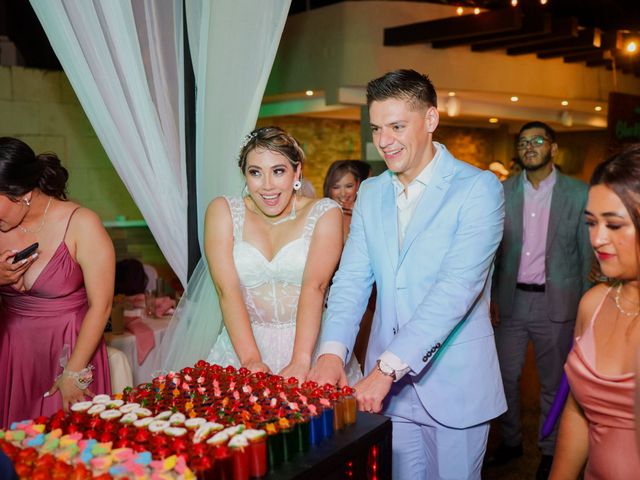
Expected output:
(453, 106)
(514, 3)
(309, 93)
(476, 11)
(493, 120)
(543, 2)
(566, 118)
(459, 10)
(597, 108)
(514, 99)
(452, 94)
(564, 103)
(632, 47)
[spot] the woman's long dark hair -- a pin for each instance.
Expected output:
(21, 171)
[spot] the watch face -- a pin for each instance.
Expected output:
(386, 369)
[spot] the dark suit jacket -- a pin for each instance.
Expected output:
(569, 255)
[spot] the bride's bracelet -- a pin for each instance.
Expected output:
(81, 379)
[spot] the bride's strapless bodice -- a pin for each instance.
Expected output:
(271, 288)
(271, 291)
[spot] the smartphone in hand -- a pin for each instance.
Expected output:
(25, 253)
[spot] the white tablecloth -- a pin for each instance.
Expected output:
(127, 343)
(121, 375)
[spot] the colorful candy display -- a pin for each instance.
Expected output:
(205, 421)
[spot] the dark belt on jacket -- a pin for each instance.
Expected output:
(530, 287)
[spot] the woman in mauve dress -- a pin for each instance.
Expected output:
(54, 304)
(597, 429)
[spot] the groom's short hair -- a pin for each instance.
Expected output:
(409, 85)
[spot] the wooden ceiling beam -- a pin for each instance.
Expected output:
(608, 41)
(587, 38)
(588, 55)
(533, 25)
(492, 22)
(561, 29)
(601, 62)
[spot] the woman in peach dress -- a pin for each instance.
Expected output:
(597, 426)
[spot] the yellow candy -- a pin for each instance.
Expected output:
(188, 475)
(39, 428)
(169, 463)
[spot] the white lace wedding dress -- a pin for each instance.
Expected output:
(271, 290)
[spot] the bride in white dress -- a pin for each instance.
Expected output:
(272, 255)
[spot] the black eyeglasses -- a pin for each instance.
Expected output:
(535, 141)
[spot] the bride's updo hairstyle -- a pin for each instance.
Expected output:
(274, 139)
(21, 171)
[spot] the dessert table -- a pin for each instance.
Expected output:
(207, 421)
(126, 342)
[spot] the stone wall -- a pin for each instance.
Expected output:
(40, 108)
(323, 141)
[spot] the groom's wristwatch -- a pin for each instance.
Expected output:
(386, 370)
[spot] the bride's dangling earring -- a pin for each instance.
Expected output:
(245, 191)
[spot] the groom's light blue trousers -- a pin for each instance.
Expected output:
(424, 449)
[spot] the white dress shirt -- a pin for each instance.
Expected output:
(407, 199)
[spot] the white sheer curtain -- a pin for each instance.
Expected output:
(233, 45)
(125, 63)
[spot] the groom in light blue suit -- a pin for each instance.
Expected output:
(426, 232)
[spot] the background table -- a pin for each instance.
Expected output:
(127, 343)
(328, 460)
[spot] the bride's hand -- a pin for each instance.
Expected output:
(299, 370)
(256, 366)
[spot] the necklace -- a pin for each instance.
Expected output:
(291, 216)
(620, 309)
(42, 220)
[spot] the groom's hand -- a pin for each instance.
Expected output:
(328, 369)
(371, 390)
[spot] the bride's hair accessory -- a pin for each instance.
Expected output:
(275, 140)
(247, 138)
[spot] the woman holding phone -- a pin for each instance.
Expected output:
(55, 302)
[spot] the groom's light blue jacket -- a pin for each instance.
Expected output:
(432, 308)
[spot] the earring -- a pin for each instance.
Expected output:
(245, 190)
(297, 185)
(26, 201)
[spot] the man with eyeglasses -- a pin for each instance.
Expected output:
(541, 271)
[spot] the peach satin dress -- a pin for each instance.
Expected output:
(607, 403)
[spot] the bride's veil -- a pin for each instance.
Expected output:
(196, 324)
